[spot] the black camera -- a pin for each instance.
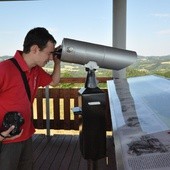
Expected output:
(13, 118)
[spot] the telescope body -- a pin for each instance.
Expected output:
(79, 52)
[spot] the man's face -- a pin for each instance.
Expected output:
(46, 54)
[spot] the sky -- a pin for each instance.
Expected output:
(148, 23)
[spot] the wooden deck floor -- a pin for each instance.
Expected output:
(61, 152)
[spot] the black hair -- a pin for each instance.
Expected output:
(37, 36)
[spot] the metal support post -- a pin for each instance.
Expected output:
(47, 110)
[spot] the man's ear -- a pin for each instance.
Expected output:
(34, 49)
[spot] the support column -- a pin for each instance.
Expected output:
(119, 31)
(47, 110)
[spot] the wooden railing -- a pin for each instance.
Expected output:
(60, 102)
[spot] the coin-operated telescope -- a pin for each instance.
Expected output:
(79, 52)
(91, 99)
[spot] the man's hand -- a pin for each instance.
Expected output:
(5, 135)
(57, 52)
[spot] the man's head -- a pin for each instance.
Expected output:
(39, 46)
(37, 36)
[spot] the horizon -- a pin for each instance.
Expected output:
(137, 55)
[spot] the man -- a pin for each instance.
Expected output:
(38, 48)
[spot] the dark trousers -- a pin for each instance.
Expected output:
(17, 156)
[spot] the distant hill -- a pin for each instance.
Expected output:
(144, 65)
(4, 57)
(152, 63)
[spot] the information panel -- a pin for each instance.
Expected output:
(140, 113)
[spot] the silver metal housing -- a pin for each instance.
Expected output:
(79, 52)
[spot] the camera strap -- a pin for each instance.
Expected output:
(23, 77)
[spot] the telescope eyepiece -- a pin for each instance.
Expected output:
(57, 52)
